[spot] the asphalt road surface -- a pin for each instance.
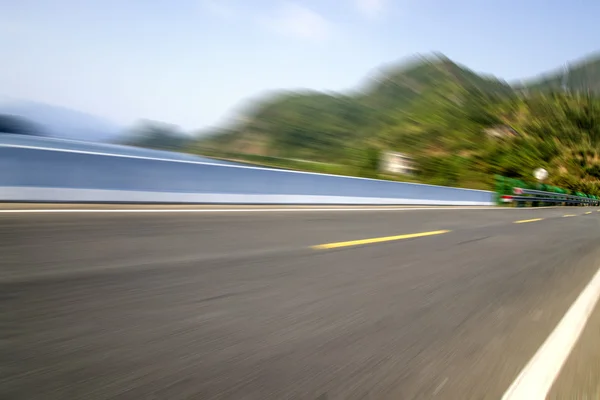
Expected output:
(290, 304)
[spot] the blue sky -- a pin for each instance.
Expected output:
(193, 62)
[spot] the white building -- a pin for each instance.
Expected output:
(397, 163)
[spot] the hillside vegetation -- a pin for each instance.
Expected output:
(582, 76)
(462, 128)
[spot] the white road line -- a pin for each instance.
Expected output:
(239, 210)
(536, 379)
(228, 210)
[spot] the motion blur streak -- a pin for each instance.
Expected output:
(227, 305)
(524, 221)
(174, 257)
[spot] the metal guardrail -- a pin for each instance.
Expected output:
(537, 197)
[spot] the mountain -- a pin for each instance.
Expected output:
(461, 128)
(579, 76)
(325, 126)
(63, 122)
(397, 86)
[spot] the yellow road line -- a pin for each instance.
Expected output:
(375, 240)
(589, 212)
(569, 215)
(528, 220)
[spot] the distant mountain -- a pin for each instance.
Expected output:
(581, 76)
(19, 126)
(63, 122)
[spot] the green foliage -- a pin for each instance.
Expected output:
(593, 171)
(461, 128)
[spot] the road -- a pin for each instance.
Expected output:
(289, 303)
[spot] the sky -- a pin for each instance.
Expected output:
(195, 63)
